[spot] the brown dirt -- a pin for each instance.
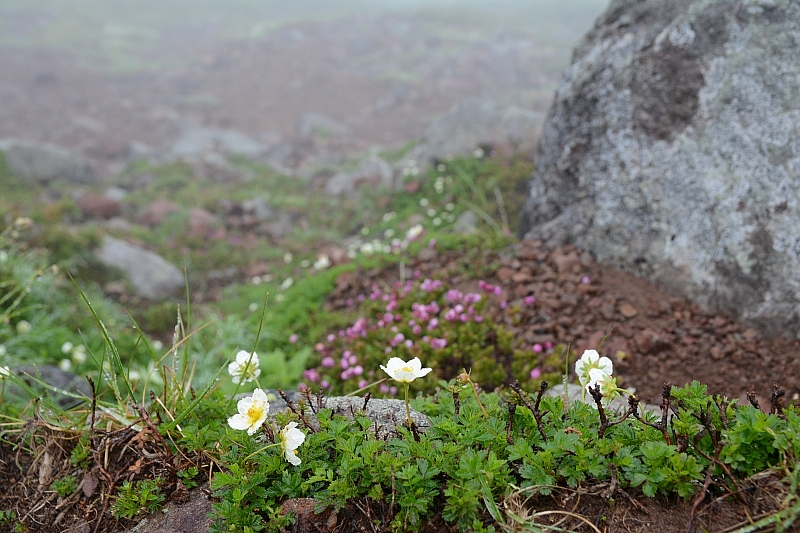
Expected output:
(653, 338)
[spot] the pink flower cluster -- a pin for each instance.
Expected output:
(490, 289)
(407, 322)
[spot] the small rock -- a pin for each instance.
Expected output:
(628, 311)
(467, 222)
(152, 276)
(201, 222)
(505, 273)
(648, 341)
(564, 261)
(750, 334)
(156, 212)
(98, 206)
(45, 162)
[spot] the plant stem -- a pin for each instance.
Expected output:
(262, 449)
(408, 409)
(475, 392)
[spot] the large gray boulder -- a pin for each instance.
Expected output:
(672, 150)
(151, 276)
(44, 163)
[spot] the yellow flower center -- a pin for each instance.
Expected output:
(255, 411)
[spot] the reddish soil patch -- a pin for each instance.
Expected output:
(652, 337)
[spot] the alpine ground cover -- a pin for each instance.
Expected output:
(494, 456)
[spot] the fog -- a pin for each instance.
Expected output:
(116, 81)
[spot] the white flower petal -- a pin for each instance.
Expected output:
(291, 456)
(239, 421)
(291, 438)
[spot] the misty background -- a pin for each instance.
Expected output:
(117, 81)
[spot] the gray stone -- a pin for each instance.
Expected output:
(45, 162)
(385, 414)
(314, 127)
(467, 222)
(476, 122)
(152, 276)
(196, 142)
(372, 171)
(672, 150)
(573, 393)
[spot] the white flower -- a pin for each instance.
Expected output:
(65, 365)
(66, 348)
(288, 282)
(414, 232)
(79, 354)
(367, 248)
(23, 327)
(608, 384)
(322, 262)
(252, 412)
(404, 372)
(245, 368)
(291, 439)
(589, 360)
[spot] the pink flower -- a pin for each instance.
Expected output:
(324, 384)
(319, 346)
(586, 280)
(548, 345)
(363, 383)
(293, 338)
(331, 337)
(529, 300)
(438, 343)
(478, 318)
(328, 362)
(536, 373)
(537, 348)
